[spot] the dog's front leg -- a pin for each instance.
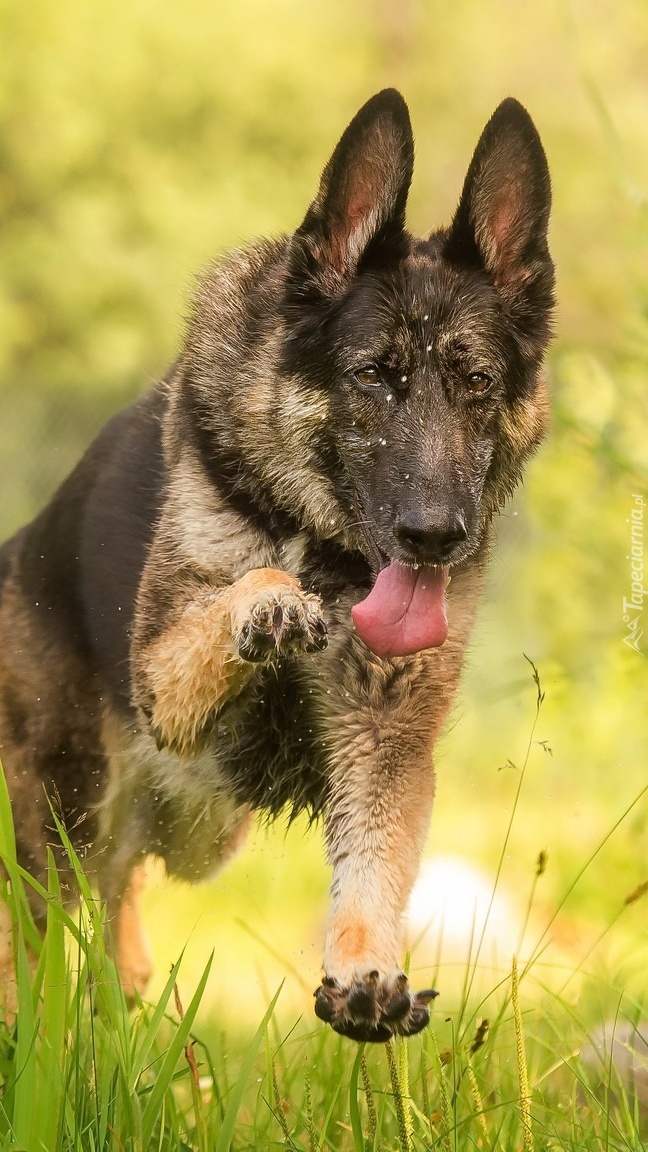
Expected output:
(381, 798)
(205, 651)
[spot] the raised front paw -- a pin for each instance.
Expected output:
(282, 622)
(373, 1008)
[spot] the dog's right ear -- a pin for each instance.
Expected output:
(361, 200)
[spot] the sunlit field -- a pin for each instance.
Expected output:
(139, 141)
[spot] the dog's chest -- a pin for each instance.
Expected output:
(271, 741)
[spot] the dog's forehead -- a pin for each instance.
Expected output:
(436, 296)
(426, 302)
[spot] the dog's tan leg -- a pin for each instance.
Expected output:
(126, 879)
(132, 949)
(208, 653)
(377, 829)
(381, 798)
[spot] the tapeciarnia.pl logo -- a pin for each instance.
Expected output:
(633, 605)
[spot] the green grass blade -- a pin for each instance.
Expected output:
(331, 1108)
(83, 883)
(50, 1062)
(231, 1112)
(26, 1052)
(107, 987)
(268, 1060)
(17, 901)
(354, 1106)
(7, 834)
(143, 1049)
(31, 882)
(165, 1074)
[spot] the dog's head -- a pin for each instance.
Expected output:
(428, 350)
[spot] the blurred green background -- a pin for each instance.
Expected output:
(137, 140)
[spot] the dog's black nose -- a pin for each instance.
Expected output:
(431, 538)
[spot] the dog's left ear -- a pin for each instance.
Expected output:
(362, 195)
(503, 215)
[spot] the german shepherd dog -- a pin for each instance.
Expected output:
(240, 600)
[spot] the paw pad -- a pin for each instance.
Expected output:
(283, 626)
(373, 1009)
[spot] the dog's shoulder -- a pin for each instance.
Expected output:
(78, 564)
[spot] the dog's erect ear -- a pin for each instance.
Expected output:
(362, 195)
(502, 219)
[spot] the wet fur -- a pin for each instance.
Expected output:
(162, 623)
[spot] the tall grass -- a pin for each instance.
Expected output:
(522, 1067)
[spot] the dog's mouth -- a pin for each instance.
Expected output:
(405, 611)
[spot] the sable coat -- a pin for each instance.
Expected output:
(351, 407)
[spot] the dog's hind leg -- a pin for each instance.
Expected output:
(193, 845)
(131, 944)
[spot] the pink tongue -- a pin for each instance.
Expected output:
(404, 612)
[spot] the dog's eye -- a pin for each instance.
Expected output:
(478, 383)
(368, 376)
